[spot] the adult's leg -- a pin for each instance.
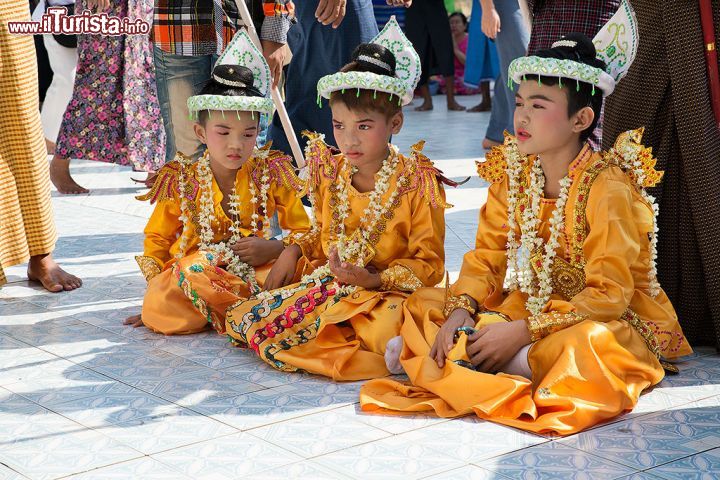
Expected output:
(63, 61)
(178, 78)
(511, 43)
(306, 39)
(25, 206)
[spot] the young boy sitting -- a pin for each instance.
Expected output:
(557, 321)
(213, 216)
(377, 232)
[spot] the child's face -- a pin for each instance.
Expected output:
(363, 136)
(541, 118)
(230, 139)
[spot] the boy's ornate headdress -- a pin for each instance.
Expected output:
(400, 80)
(616, 45)
(240, 52)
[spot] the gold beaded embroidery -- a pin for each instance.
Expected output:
(399, 277)
(148, 266)
(455, 302)
(542, 325)
(567, 279)
(579, 219)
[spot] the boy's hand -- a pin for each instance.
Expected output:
(283, 270)
(134, 320)
(445, 339)
(257, 251)
(494, 345)
(350, 274)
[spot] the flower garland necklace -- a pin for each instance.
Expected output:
(221, 251)
(349, 248)
(264, 229)
(630, 162)
(530, 240)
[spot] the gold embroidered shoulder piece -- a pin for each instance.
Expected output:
(280, 169)
(167, 183)
(421, 174)
(321, 160)
(494, 168)
(635, 159)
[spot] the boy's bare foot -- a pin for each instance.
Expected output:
(426, 106)
(455, 106)
(134, 320)
(393, 349)
(488, 144)
(481, 107)
(43, 269)
(60, 177)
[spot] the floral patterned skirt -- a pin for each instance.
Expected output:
(114, 114)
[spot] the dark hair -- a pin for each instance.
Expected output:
(231, 81)
(459, 14)
(369, 57)
(583, 94)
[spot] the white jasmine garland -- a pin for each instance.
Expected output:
(221, 251)
(529, 227)
(630, 162)
(348, 248)
(535, 303)
(538, 292)
(514, 170)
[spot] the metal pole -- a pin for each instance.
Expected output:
(275, 92)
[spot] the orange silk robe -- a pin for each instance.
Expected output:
(593, 364)
(311, 326)
(172, 305)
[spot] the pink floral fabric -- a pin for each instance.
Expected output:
(114, 114)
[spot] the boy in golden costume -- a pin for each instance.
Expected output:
(212, 216)
(557, 321)
(377, 233)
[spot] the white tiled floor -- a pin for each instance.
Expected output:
(83, 396)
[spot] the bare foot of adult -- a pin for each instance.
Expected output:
(488, 144)
(481, 107)
(43, 269)
(426, 106)
(60, 177)
(455, 106)
(134, 321)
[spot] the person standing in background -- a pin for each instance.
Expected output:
(322, 41)
(188, 37)
(27, 228)
(667, 92)
(63, 61)
(502, 21)
(113, 115)
(428, 28)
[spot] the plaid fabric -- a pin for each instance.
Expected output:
(188, 27)
(551, 19)
(26, 218)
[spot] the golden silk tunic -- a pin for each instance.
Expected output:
(174, 306)
(602, 330)
(314, 326)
